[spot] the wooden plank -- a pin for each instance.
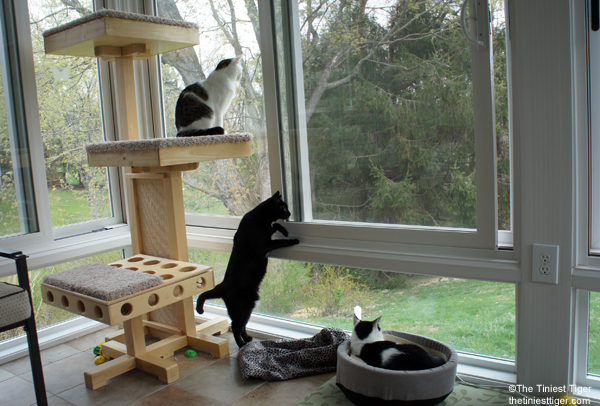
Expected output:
(96, 377)
(175, 209)
(165, 348)
(166, 157)
(199, 153)
(81, 40)
(113, 349)
(127, 115)
(184, 310)
(155, 327)
(166, 371)
(218, 325)
(118, 336)
(218, 347)
(76, 41)
(134, 336)
(131, 158)
(162, 169)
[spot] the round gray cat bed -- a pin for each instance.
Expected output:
(369, 386)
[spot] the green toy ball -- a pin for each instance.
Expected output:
(97, 350)
(190, 353)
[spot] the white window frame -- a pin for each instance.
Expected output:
(51, 245)
(586, 266)
(345, 236)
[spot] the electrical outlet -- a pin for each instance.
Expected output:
(544, 263)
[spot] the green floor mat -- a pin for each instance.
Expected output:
(329, 394)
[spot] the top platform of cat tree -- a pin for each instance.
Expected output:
(107, 31)
(162, 152)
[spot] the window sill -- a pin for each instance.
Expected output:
(468, 263)
(67, 249)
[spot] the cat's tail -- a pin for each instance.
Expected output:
(204, 131)
(214, 293)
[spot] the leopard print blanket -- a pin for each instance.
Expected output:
(279, 360)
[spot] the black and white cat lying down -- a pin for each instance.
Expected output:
(367, 343)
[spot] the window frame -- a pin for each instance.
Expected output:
(485, 237)
(50, 244)
(586, 264)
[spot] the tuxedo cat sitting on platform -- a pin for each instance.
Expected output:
(248, 263)
(201, 106)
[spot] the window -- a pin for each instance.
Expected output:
(70, 117)
(594, 147)
(53, 108)
(226, 187)
(473, 316)
(17, 205)
(388, 117)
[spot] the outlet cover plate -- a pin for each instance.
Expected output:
(544, 263)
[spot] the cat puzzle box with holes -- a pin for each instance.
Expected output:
(370, 386)
(124, 289)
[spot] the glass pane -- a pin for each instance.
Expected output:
(231, 186)
(9, 210)
(594, 333)
(502, 113)
(18, 211)
(472, 316)
(388, 112)
(46, 315)
(70, 118)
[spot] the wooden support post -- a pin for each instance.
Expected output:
(218, 325)
(96, 377)
(126, 100)
(217, 347)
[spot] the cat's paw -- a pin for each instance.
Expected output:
(247, 339)
(294, 241)
(199, 307)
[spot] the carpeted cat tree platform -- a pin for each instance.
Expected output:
(152, 291)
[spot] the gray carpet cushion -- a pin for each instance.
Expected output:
(161, 143)
(102, 281)
(14, 304)
(118, 14)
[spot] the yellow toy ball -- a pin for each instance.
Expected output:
(99, 360)
(566, 400)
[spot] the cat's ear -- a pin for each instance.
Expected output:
(277, 195)
(237, 59)
(376, 322)
(355, 319)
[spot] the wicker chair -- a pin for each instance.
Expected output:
(16, 310)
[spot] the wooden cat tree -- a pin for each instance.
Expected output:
(156, 213)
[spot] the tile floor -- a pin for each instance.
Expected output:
(204, 381)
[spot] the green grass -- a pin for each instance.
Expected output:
(472, 316)
(71, 207)
(9, 218)
(594, 333)
(68, 207)
(200, 203)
